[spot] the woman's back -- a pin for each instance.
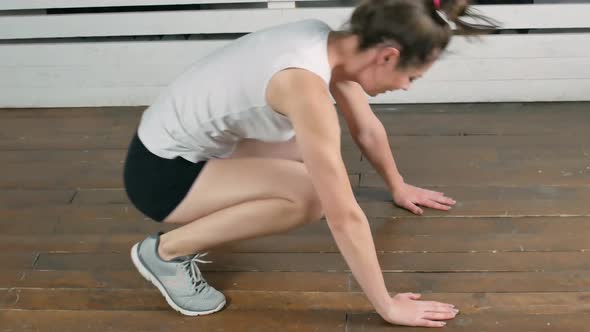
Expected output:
(221, 98)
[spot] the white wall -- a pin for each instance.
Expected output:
(38, 70)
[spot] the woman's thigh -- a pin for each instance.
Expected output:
(227, 182)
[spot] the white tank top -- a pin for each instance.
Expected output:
(221, 100)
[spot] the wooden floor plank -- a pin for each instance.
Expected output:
(414, 234)
(455, 282)
(500, 282)
(74, 226)
(313, 243)
(148, 321)
(251, 281)
(498, 108)
(534, 200)
(512, 254)
(121, 212)
(473, 173)
(122, 219)
(417, 225)
(88, 128)
(489, 322)
(541, 145)
(14, 226)
(86, 133)
(67, 169)
(472, 262)
(332, 262)
(108, 174)
(27, 198)
(487, 119)
(18, 260)
(476, 166)
(95, 132)
(71, 112)
(151, 299)
(495, 201)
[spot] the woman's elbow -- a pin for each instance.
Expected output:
(368, 136)
(345, 217)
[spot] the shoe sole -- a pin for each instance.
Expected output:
(151, 278)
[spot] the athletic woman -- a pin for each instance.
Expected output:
(246, 143)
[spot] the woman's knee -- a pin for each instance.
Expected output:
(307, 199)
(314, 210)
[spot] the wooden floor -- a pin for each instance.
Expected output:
(513, 255)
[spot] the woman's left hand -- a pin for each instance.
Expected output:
(410, 197)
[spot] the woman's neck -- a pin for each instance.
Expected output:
(346, 61)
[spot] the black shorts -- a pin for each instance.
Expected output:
(157, 185)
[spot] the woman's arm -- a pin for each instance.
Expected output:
(303, 97)
(371, 137)
(367, 130)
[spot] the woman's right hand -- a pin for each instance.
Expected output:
(406, 309)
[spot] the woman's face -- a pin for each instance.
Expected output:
(383, 74)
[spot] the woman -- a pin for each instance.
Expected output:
(246, 143)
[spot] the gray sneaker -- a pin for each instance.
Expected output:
(179, 280)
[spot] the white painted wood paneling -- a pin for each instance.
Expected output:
(539, 16)
(50, 73)
(497, 68)
(509, 69)
(556, 45)
(424, 92)
(576, 45)
(161, 23)
(48, 4)
(77, 97)
(106, 53)
(447, 70)
(491, 91)
(248, 20)
(88, 76)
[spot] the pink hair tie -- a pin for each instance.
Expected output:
(437, 4)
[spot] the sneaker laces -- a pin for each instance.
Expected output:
(190, 265)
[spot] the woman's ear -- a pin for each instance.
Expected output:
(388, 55)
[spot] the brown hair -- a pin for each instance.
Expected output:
(415, 25)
